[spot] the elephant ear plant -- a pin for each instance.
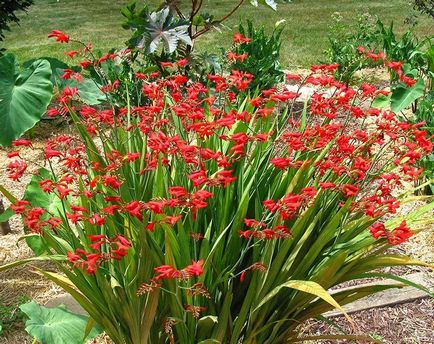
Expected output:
(205, 215)
(24, 96)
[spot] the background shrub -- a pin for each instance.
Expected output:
(7, 13)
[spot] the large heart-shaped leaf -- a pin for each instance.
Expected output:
(403, 97)
(57, 68)
(24, 96)
(39, 198)
(88, 90)
(56, 325)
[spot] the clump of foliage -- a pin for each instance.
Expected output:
(174, 26)
(425, 6)
(414, 55)
(11, 314)
(196, 213)
(344, 40)
(8, 14)
(258, 54)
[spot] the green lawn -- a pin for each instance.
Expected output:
(98, 21)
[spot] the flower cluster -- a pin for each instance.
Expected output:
(91, 261)
(193, 171)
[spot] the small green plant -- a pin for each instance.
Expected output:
(344, 40)
(259, 55)
(174, 26)
(10, 314)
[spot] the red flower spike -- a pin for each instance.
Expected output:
(16, 169)
(195, 269)
(20, 207)
(134, 208)
(21, 142)
(239, 38)
(59, 36)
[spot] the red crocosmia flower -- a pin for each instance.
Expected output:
(150, 226)
(378, 230)
(327, 185)
(59, 35)
(239, 38)
(85, 64)
(178, 191)
(309, 192)
(11, 155)
(270, 205)
(63, 192)
(97, 220)
(194, 310)
(21, 142)
(294, 77)
(111, 209)
(166, 272)
(266, 234)
(253, 223)
(198, 178)
(16, 169)
(234, 57)
(77, 208)
(225, 177)
(67, 74)
(400, 234)
(112, 199)
(33, 220)
(281, 163)
(53, 112)
(20, 206)
(74, 217)
(166, 64)
(111, 181)
(195, 269)
(156, 206)
(131, 157)
(135, 208)
(246, 234)
(46, 185)
(73, 257)
(120, 247)
(349, 190)
(182, 63)
(93, 262)
(140, 76)
(96, 237)
(71, 53)
(171, 220)
(203, 194)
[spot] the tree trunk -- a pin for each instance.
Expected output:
(4, 226)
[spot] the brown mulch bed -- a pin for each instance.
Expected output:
(407, 323)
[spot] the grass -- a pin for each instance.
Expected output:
(98, 21)
(11, 315)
